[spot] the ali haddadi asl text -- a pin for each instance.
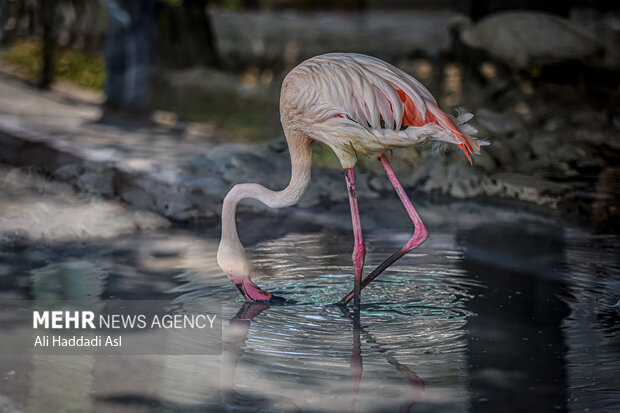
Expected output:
(78, 341)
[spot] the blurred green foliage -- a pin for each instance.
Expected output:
(241, 120)
(172, 3)
(81, 68)
(322, 155)
(231, 4)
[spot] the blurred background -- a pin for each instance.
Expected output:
(542, 78)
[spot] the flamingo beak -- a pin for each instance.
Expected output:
(251, 295)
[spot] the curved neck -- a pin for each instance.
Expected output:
(300, 148)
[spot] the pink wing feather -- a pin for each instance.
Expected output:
(376, 101)
(401, 99)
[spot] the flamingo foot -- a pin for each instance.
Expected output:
(254, 294)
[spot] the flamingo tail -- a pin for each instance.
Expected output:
(455, 129)
(459, 132)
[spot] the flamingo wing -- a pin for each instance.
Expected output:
(359, 104)
(374, 101)
(419, 106)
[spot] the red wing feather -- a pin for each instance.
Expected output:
(413, 117)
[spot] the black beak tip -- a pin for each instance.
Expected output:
(276, 300)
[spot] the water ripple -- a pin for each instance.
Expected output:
(411, 324)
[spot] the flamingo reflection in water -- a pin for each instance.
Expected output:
(237, 334)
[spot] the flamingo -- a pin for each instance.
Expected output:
(358, 105)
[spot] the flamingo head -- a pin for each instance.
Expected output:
(231, 259)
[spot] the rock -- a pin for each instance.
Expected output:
(194, 213)
(7, 405)
(68, 172)
(485, 162)
(554, 124)
(569, 153)
(591, 164)
(143, 191)
(524, 38)
(588, 117)
(97, 179)
(365, 191)
(539, 167)
(543, 146)
(464, 189)
(606, 210)
(377, 184)
(278, 145)
(501, 153)
(527, 188)
(436, 177)
(200, 166)
(328, 186)
(615, 120)
(253, 163)
(148, 221)
(53, 211)
(211, 185)
(250, 163)
(519, 146)
(462, 182)
(175, 207)
(495, 122)
(490, 187)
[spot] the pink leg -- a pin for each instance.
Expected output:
(359, 251)
(419, 236)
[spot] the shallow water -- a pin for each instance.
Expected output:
(498, 311)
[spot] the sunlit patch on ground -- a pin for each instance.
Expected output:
(42, 210)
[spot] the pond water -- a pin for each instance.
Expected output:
(499, 310)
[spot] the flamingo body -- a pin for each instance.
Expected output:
(359, 106)
(362, 106)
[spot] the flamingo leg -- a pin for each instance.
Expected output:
(419, 236)
(359, 251)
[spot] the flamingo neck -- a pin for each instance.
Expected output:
(231, 254)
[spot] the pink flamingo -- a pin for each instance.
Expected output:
(357, 105)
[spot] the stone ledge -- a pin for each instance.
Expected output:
(90, 170)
